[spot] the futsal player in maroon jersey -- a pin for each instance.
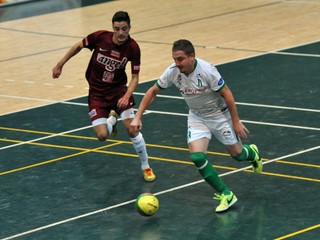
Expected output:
(109, 94)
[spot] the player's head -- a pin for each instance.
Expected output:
(121, 27)
(183, 54)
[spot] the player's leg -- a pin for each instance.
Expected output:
(103, 119)
(104, 127)
(139, 145)
(222, 129)
(198, 140)
(243, 152)
(198, 156)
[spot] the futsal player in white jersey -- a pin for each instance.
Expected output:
(212, 111)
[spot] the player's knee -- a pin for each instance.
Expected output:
(102, 136)
(132, 132)
(198, 158)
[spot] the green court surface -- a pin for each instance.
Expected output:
(59, 182)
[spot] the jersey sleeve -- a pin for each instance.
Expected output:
(90, 40)
(136, 58)
(216, 83)
(166, 79)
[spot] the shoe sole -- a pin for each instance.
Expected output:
(150, 180)
(235, 199)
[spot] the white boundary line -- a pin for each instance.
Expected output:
(261, 53)
(245, 121)
(48, 101)
(244, 104)
(296, 54)
(46, 137)
(163, 96)
(157, 112)
(158, 193)
(230, 61)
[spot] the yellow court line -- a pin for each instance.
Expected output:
(59, 146)
(298, 232)
(291, 176)
(108, 140)
(299, 164)
(149, 145)
(98, 150)
(52, 160)
(129, 142)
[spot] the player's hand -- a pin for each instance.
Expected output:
(240, 130)
(56, 71)
(136, 124)
(123, 102)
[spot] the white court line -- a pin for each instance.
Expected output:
(146, 81)
(46, 137)
(50, 102)
(158, 193)
(296, 54)
(164, 96)
(244, 104)
(245, 121)
(157, 112)
(262, 53)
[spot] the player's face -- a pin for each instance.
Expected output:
(184, 62)
(120, 32)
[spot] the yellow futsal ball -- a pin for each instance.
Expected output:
(147, 204)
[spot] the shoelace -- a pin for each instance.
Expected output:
(218, 196)
(148, 171)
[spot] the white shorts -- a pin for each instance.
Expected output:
(220, 127)
(129, 113)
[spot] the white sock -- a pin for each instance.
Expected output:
(140, 147)
(111, 121)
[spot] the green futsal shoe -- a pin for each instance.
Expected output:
(226, 201)
(256, 162)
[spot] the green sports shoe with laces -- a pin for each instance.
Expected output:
(256, 162)
(226, 201)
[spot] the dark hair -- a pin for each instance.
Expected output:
(121, 16)
(183, 45)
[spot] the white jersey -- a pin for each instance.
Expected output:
(200, 89)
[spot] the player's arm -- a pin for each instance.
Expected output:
(239, 128)
(56, 71)
(145, 103)
(123, 102)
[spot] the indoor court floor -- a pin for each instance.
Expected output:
(59, 182)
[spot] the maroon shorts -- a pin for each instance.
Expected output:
(100, 106)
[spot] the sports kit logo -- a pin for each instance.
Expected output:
(227, 134)
(221, 81)
(115, 53)
(199, 80)
(110, 63)
(193, 91)
(92, 113)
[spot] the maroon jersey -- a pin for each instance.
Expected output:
(106, 70)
